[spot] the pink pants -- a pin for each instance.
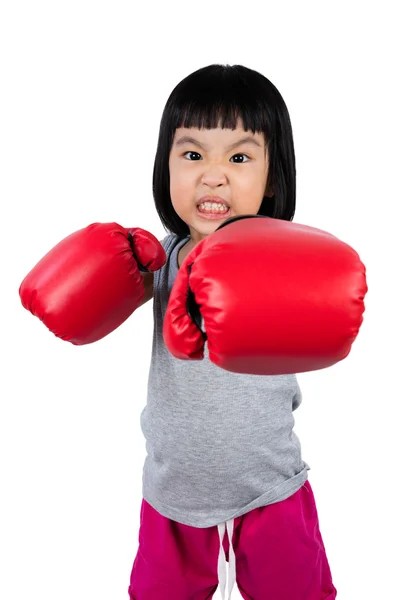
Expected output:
(277, 552)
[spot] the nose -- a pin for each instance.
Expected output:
(213, 176)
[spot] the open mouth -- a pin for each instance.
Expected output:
(213, 210)
(214, 214)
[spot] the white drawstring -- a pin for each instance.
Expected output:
(221, 559)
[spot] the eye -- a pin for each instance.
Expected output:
(197, 156)
(191, 152)
(242, 155)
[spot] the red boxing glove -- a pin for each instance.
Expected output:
(276, 298)
(90, 282)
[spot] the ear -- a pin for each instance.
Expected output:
(269, 192)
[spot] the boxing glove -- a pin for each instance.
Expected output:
(275, 297)
(91, 282)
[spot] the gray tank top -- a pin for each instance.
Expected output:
(219, 444)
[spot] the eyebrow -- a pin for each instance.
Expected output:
(187, 139)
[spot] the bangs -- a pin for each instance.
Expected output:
(225, 115)
(220, 98)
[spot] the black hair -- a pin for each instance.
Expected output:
(221, 95)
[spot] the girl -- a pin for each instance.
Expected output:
(223, 479)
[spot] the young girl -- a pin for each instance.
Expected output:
(223, 479)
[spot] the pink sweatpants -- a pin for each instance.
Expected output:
(278, 553)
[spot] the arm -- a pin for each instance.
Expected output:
(148, 280)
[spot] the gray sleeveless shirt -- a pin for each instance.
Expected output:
(219, 444)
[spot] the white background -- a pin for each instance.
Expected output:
(83, 86)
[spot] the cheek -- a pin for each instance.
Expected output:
(249, 191)
(182, 190)
(180, 181)
(257, 181)
(178, 187)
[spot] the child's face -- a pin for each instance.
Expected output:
(209, 165)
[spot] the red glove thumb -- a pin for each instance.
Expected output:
(182, 331)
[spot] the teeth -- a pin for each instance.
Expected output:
(217, 206)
